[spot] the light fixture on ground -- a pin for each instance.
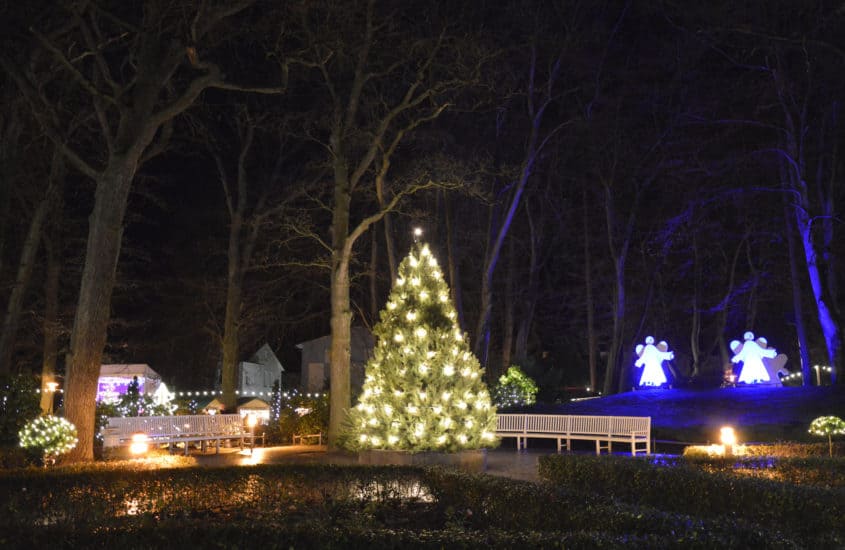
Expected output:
(728, 437)
(52, 387)
(139, 444)
(251, 421)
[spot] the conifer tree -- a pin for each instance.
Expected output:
(423, 388)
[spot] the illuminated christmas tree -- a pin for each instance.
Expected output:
(423, 388)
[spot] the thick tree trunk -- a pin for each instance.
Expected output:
(340, 360)
(90, 325)
(231, 335)
(51, 324)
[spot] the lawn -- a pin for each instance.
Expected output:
(759, 413)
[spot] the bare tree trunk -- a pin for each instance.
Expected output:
(592, 351)
(537, 102)
(454, 261)
(341, 320)
(508, 321)
(615, 377)
(751, 304)
(797, 307)
(826, 309)
(374, 277)
(88, 338)
(531, 291)
(695, 330)
(231, 325)
(27, 263)
(51, 323)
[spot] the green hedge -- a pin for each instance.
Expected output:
(808, 513)
(818, 471)
(320, 506)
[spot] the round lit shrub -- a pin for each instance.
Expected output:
(829, 426)
(515, 389)
(50, 435)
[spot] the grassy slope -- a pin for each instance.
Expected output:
(762, 414)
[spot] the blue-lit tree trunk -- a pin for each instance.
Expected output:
(808, 214)
(539, 97)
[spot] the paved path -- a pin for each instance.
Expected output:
(500, 462)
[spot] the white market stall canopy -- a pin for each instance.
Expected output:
(115, 379)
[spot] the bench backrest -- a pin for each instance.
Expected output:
(176, 425)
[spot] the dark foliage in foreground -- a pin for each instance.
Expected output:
(341, 507)
(807, 513)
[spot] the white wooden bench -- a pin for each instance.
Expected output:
(604, 430)
(174, 430)
(297, 439)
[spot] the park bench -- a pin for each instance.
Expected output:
(298, 439)
(604, 430)
(176, 430)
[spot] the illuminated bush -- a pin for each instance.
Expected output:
(515, 389)
(829, 426)
(50, 435)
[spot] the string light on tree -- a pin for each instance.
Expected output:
(51, 435)
(423, 388)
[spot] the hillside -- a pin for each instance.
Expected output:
(763, 414)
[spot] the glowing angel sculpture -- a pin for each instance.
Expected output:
(651, 358)
(751, 353)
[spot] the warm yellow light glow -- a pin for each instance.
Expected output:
(421, 332)
(448, 370)
(52, 386)
(398, 337)
(411, 315)
(391, 305)
(418, 233)
(727, 435)
(423, 295)
(251, 421)
(138, 446)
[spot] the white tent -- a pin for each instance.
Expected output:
(115, 379)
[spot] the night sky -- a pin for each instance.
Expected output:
(675, 138)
